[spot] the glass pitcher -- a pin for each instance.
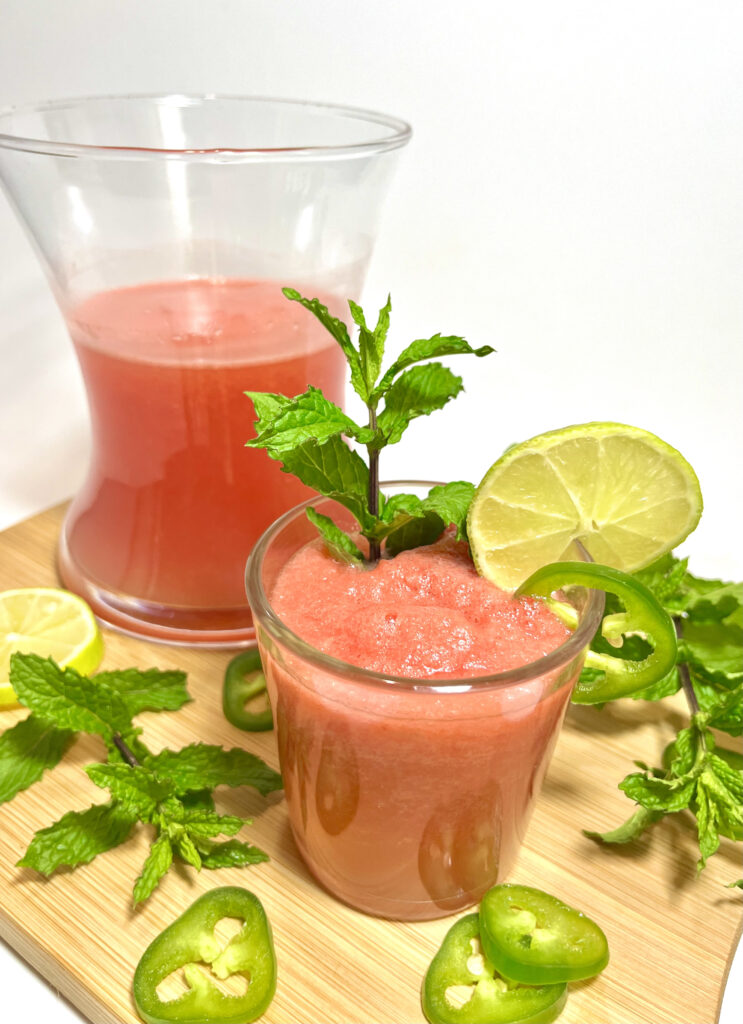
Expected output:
(167, 226)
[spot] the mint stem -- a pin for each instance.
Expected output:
(375, 548)
(683, 671)
(124, 750)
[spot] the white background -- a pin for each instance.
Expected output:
(572, 196)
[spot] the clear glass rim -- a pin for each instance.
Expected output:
(265, 617)
(398, 131)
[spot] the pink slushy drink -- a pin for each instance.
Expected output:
(417, 707)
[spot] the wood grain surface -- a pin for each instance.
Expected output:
(670, 931)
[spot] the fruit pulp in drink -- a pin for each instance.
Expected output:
(174, 501)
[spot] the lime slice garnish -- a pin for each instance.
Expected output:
(51, 623)
(625, 494)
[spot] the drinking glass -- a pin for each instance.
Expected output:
(408, 798)
(167, 226)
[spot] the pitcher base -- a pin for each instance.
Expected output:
(219, 628)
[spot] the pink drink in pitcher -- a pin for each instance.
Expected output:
(174, 501)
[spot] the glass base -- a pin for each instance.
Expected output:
(396, 909)
(219, 628)
(393, 902)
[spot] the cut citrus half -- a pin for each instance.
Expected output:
(625, 494)
(48, 622)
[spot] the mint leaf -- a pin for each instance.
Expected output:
(714, 651)
(428, 348)
(630, 830)
(78, 837)
(197, 799)
(664, 795)
(396, 511)
(451, 501)
(417, 392)
(709, 840)
(27, 750)
(309, 416)
(725, 784)
(338, 543)
(665, 687)
(371, 343)
(155, 867)
(339, 331)
(66, 698)
(205, 824)
(414, 522)
(231, 854)
(415, 533)
(715, 602)
(409, 521)
(137, 789)
(267, 407)
(336, 471)
(724, 706)
(202, 766)
(685, 750)
(711, 600)
(187, 850)
(734, 758)
(718, 805)
(701, 600)
(193, 831)
(150, 689)
(665, 577)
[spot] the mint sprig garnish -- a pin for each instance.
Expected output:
(697, 775)
(306, 433)
(170, 792)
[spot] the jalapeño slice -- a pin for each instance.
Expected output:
(244, 679)
(536, 939)
(462, 986)
(617, 677)
(190, 943)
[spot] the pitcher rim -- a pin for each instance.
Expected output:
(400, 131)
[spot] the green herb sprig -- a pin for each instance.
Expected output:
(306, 434)
(171, 791)
(697, 775)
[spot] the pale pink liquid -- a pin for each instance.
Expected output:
(411, 804)
(174, 501)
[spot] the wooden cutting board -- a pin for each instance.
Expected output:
(671, 933)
